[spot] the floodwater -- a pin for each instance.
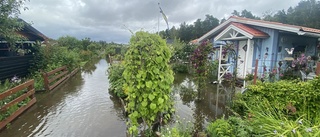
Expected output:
(84, 108)
(213, 102)
(80, 108)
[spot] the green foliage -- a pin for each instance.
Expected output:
(188, 32)
(283, 108)
(179, 129)
(181, 51)
(116, 79)
(244, 13)
(180, 67)
(264, 119)
(10, 10)
(231, 127)
(200, 63)
(219, 128)
(110, 50)
(48, 57)
(148, 79)
(213, 70)
(69, 42)
(6, 86)
(303, 96)
(249, 77)
(303, 14)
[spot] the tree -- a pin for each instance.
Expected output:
(209, 23)
(10, 10)
(245, 14)
(188, 32)
(85, 43)
(281, 16)
(304, 14)
(69, 42)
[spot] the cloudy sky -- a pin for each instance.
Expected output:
(111, 20)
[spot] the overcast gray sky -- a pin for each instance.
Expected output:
(110, 20)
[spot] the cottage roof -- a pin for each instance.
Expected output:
(250, 30)
(300, 30)
(30, 32)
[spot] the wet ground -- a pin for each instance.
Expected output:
(84, 108)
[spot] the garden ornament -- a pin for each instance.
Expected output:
(289, 51)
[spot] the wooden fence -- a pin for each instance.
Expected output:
(29, 87)
(56, 77)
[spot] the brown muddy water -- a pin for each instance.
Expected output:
(84, 108)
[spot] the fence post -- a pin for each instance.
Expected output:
(31, 87)
(318, 69)
(255, 72)
(46, 81)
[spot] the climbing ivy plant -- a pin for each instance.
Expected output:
(148, 79)
(200, 62)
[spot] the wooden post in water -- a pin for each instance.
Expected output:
(46, 81)
(318, 69)
(255, 72)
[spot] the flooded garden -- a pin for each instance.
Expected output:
(84, 107)
(139, 94)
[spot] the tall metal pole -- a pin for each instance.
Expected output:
(158, 19)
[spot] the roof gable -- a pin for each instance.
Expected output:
(240, 31)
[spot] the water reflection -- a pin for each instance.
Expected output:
(213, 103)
(90, 66)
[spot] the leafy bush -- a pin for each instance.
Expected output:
(231, 127)
(179, 129)
(180, 67)
(148, 79)
(288, 95)
(116, 80)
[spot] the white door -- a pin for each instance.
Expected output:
(242, 53)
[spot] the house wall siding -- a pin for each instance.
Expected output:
(266, 49)
(15, 66)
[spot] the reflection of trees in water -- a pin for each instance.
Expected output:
(214, 99)
(90, 66)
(117, 106)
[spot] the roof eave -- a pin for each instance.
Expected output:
(310, 34)
(215, 30)
(272, 26)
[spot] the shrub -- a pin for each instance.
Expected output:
(148, 79)
(180, 67)
(231, 127)
(116, 80)
(293, 98)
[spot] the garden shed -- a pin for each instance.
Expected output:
(16, 61)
